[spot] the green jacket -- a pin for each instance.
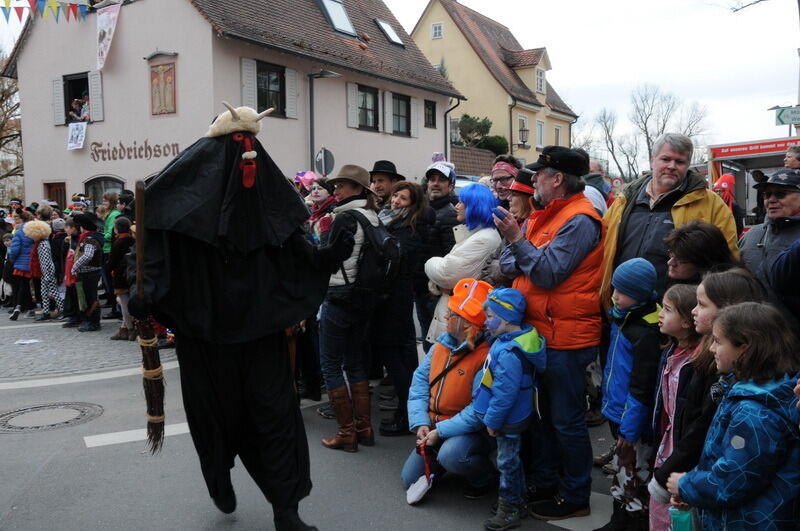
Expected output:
(108, 229)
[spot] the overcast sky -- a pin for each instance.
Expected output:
(736, 64)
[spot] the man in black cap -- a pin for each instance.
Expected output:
(761, 245)
(556, 265)
(228, 275)
(382, 177)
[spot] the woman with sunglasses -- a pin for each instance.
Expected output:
(762, 244)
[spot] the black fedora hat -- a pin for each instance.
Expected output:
(386, 167)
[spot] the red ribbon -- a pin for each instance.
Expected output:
(247, 166)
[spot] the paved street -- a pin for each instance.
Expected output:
(86, 477)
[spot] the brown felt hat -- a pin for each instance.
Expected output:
(351, 172)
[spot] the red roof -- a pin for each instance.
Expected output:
(501, 53)
(471, 161)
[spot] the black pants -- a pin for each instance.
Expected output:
(71, 302)
(89, 282)
(22, 293)
(401, 361)
(239, 400)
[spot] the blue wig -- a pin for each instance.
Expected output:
(479, 202)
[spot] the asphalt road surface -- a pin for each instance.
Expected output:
(97, 474)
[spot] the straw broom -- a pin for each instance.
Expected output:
(152, 371)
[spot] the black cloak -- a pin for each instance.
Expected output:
(227, 263)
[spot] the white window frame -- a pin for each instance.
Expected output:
(541, 83)
(349, 29)
(391, 34)
(437, 26)
(557, 136)
(522, 121)
(539, 134)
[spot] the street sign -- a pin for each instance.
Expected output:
(324, 162)
(787, 116)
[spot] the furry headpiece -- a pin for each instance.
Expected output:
(36, 230)
(237, 120)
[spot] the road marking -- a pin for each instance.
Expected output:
(121, 437)
(77, 378)
(602, 506)
(35, 325)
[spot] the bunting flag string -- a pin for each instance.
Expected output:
(46, 9)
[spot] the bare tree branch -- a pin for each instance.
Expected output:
(10, 131)
(739, 5)
(607, 121)
(629, 148)
(583, 135)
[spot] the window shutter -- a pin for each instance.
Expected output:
(352, 105)
(414, 111)
(59, 112)
(96, 96)
(249, 97)
(388, 112)
(291, 92)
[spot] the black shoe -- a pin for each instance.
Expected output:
(15, 313)
(113, 315)
(559, 509)
(539, 494)
(311, 392)
(88, 326)
(226, 501)
(326, 411)
(619, 519)
(606, 457)
(398, 425)
(506, 516)
(386, 395)
(594, 418)
(44, 317)
(71, 323)
(292, 522)
(388, 405)
(475, 493)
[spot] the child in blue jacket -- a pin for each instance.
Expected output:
(504, 399)
(748, 476)
(629, 379)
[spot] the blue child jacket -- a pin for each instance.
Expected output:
(505, 396)
(748, 476)
(20, 251)
(631, 372)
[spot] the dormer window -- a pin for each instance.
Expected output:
(389, 31)
(540, 83)
(337, 15)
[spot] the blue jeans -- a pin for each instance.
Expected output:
(464, 455)
(561, 448)
(341, 336)
(512, 477)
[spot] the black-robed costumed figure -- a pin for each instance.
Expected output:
(228, 269)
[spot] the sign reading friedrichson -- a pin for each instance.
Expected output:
(135, 151)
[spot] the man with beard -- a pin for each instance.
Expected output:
(556, 265)
(228, 269)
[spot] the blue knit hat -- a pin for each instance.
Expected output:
(636, 278)
(507, 303)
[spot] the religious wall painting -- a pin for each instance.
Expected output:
(162, 89)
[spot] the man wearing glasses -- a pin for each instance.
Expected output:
(762, 244)
(504, 169)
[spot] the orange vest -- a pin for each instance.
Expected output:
(453, 393)
(568, 316)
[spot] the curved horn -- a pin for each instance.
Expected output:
(234, 114)
(265, 113)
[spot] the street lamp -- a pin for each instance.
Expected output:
(523, 136)
(323, 73)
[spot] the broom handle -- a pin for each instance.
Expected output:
(140, 232)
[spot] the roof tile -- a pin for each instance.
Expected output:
(471, 161)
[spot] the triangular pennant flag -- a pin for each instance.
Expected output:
(65, 10)
(73, 8)
(8, 4)
(40, 5)
(45, 11)
(6, 12)
(20, 12)
(83, 10)
(53, 5)
(32, 3)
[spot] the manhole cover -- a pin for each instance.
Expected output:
(48, 417)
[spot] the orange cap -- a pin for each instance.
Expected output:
(468, 298)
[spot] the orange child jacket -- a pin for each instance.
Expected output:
(568, 316)
(453, 393)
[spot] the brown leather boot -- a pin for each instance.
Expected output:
(345, 438)
(363, 413)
